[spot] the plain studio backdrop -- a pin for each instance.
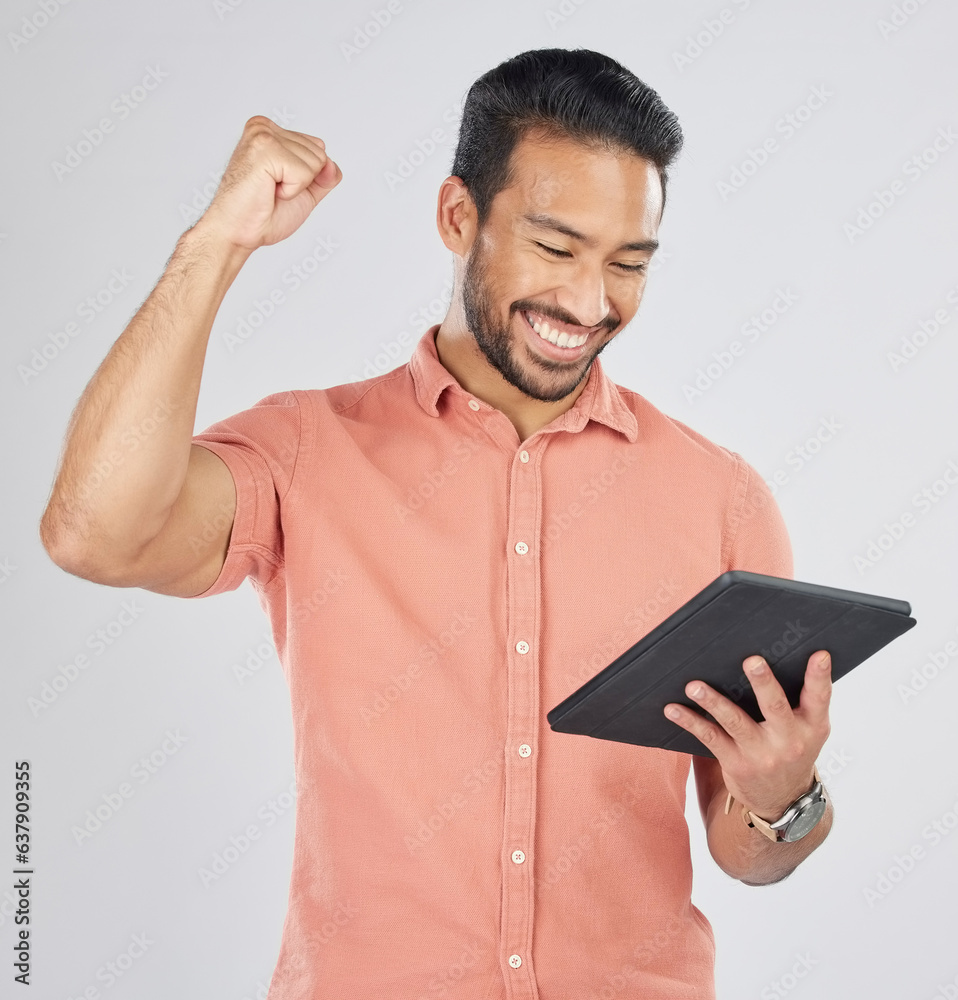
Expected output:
(811, 218)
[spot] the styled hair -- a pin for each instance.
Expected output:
(573, 94)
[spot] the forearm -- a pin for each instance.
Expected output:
(127, 447)
(747, 855)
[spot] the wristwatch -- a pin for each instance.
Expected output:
(799, 818)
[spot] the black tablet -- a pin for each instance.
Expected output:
(737, 615)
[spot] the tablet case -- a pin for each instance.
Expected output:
(737, 615)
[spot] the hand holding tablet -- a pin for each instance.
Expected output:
(738, 615)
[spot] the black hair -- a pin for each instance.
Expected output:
(573, 94)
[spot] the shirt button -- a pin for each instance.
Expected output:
(518, 857)
(522, 646)
(522, 548)
(523, 456)
(473, 405)
(524, 750)
(515, 961)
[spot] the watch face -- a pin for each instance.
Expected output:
(805, 821)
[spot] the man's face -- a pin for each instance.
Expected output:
(588, 287)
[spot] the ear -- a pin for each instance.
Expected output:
(456, 216)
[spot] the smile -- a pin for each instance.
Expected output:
(559, 338)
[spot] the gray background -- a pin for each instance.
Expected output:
(889, 761)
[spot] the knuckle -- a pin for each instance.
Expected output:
(779, 705)
(707, 735)
(794, 751)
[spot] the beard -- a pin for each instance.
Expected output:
(537, 377)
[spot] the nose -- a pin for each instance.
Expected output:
(584, 296)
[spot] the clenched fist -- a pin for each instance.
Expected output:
(273, 180)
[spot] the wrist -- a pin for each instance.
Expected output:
(203, 240)
(798, 818)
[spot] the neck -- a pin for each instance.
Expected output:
(460, 356)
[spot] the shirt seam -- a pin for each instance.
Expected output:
(733, 517)
(299, 445)
(341, 408)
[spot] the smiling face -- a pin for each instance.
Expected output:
(559, 268)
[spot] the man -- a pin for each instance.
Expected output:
(448, 550)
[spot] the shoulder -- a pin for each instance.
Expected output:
(338, 399)
(664, 432)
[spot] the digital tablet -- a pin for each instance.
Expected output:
(737, 615)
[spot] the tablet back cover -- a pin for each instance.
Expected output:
(737, 615)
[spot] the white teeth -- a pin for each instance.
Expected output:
(562, 339)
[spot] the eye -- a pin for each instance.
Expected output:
(631, 268)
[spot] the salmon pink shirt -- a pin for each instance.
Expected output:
(435, 586)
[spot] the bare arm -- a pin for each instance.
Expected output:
(766, 765)
(739, 851)
(132, 493)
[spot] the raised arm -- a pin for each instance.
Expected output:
(132, 493)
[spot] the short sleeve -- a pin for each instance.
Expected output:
(260, 447)
(756, 538)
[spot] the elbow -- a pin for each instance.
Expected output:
(73, 551)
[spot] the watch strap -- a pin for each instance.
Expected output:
(763, 826)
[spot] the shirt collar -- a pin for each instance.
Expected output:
(600, 400)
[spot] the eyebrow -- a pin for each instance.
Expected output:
(542, 221)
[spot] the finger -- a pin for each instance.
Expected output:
(718, 742)
(736, 722)
(817, 689)
(769, 694)
(310, 152)
(299, 171)
(306, 137)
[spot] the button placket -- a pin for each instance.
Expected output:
(522, 527)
